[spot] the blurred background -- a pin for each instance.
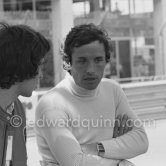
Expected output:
(137, 29)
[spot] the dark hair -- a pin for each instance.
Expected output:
(85, 34)
(22, 50)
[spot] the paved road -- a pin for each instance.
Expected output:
(156, 155)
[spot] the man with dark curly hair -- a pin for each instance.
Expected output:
(87, 119)
(22, 52)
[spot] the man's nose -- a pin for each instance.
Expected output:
(91, 67)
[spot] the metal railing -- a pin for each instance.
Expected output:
(140, 79)
(147, 99)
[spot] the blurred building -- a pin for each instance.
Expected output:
(133, 43)
(132, 38)
(134, 47)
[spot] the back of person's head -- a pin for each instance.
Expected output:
(22, 50)
(82, 35)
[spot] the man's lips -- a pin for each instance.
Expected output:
(90, 79)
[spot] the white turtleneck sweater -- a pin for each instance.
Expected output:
(69, 116)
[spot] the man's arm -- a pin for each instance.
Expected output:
(132, 143)
(129, 137)
(122, 125)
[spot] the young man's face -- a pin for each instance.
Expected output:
(88, 62)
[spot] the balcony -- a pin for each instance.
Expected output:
(92, 17)
(38, 20)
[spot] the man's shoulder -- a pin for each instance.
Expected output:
(54, 94)
(56, 91)
(109, 83)
(54, 98)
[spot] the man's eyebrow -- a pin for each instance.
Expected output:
(99, 57)
(81, 57)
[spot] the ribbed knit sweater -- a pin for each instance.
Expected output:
(69, 117)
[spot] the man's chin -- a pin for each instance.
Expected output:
(27, 94)
(91, 86)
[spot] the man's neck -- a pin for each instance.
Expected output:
(7, 96)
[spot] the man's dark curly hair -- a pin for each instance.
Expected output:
(82, 35)
(22, 50)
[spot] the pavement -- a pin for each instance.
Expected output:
(156, 155)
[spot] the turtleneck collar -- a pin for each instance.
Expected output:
(79, 91)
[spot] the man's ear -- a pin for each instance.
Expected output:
(66, 66)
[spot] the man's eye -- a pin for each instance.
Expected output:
(98, 60)
(81, 61)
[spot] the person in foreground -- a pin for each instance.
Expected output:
(22, 51)
(86, 119)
